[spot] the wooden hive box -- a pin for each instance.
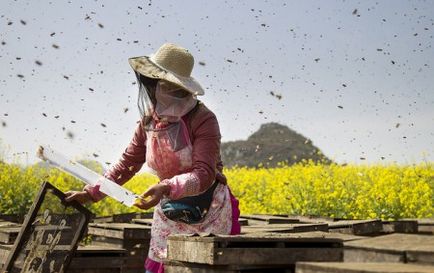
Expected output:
(98, 259)
(183, 267)
(400, 226)
(8, 234)
(242, 252)
(16, 218)
(284, 228)
(356, 227)
(122, 234)
(132, 237)
(308, 267)
(268, 219)
(122, 218)
(426, 225)
(397, 247)
(321, 234)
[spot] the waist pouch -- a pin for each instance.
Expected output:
(190, 209)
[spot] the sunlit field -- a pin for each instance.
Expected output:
(350, 191)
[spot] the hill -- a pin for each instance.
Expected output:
(271, 144)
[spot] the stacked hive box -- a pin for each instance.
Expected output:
(243, 253)
(134, 238)
(392, 247)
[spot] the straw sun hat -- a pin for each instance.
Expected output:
(171, 63)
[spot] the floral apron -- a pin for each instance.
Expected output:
(169, 153)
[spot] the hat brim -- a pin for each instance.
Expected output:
(145, 66)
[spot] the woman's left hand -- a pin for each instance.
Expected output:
(152, 196)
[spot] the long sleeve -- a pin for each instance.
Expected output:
(129, 164)
(205, 157)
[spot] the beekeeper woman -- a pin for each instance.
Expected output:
(179, 138)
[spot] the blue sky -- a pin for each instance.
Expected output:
(356, 77)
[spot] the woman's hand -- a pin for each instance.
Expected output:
(155, 193)
(81, 197)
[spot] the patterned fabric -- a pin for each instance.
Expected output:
(185, 184)
(169, 149)
(217, 221)
(157, 267)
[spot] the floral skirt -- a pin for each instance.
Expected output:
(222, 218)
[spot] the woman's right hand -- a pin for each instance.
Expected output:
(81, 197)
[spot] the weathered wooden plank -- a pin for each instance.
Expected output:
(313, 267)
(356, 227)
(120, 231)
(183, 267)
(97, 262)
(4, 253)
(276, 256)
(117, 226)
(133, 247)
(124, 243)
(16, 218)
(313, 219)
(251, 250)
(426, 225)
(109, 241)
(146, 222)
(284, 228)
(335, 235)
(358, 255)
(243, 222)
(123, 218)
(9, 224)
(252, 238)
(424, 255)
(110, 233)
(395, 247)
(252, 222)
(134, 262)
(95, 270)
(397, 241)
(131, 270)
(132, 237)
(9, 234)
(270, 219)
(91, 250)
(425, 221)
(182, 251)
(428, 229)
(400, 226)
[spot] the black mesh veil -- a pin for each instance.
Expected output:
(146, 97)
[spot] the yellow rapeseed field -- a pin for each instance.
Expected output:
(307, 188)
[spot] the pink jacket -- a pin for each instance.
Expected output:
(206, 168)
